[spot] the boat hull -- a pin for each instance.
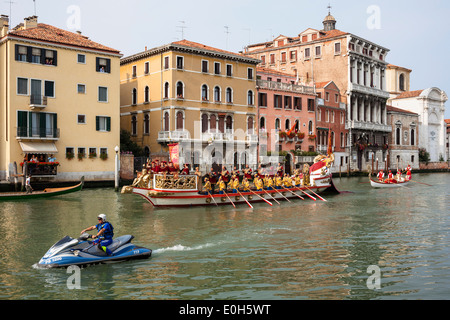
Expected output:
(377, 184)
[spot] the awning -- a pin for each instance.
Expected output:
(38, 147)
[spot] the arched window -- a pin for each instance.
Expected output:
(310, 127)
(250, 98)
(217, 94)
(166, 121)
(287, 124)
(166, 90)
(277, 124)
(204, 123)
(147, 94)
(146, 124)
(262, 123)
(297, 125)
(134, 125)
(229, 124)
(134, 96)
(397, 136)
(180, 121)
(212, 123)
(401, 82)
(180, 89)
(205, 92)
(229, 95)
(250, 125)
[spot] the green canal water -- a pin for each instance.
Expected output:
(298, 250)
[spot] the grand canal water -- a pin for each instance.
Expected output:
(298, 250)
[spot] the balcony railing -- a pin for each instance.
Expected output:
(42, 169)
(360, 125)
(38, 101)
(274, 85)
(38, 133)
(164, 136)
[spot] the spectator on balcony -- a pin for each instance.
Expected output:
(51, 159)
(34, 159)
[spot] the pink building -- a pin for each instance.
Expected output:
(283, 105)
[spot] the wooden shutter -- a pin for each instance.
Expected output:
(108, 124)
(97, 123)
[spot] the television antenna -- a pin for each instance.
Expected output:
(182, 27)
(10, 12)
(227, 32)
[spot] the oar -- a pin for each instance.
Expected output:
(271, 196)
(282, 195)
(229, 199)
(315, 194)
(212, 198)
(245, 199)
(421, 183)
(270, 203)
(294, 193)
(307, 194)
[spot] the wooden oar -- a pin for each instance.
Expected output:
(421, 183)
(212, 198)
(306, 194)
(271, 196)
(229, 199)
(294, 194)
(270, 203)
(315, 194)
(245, 199)
(282, 195)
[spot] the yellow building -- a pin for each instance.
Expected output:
(200, 97)
(59, 98)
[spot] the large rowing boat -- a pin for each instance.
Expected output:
(167, 191)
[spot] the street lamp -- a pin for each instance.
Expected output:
(116, 169)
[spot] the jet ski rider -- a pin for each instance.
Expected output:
(105, 233)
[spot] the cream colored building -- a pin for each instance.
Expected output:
(59, 96)
(200, 97)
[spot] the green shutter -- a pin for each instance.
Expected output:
(108, 124)
(97, 123)
(55, 126)
(22, 123)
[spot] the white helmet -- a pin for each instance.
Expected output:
(102, 216)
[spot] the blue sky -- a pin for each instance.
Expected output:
(416, 32)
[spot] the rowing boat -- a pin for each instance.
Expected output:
(48, 192)
(394, 184)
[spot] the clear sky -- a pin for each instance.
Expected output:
(416, 32)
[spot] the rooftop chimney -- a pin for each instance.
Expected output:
(4, 25)
(30, 22)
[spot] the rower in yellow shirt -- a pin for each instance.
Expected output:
(235, 182)
(258, 183)
(278, 182)
(246, 184)
(268, 183)
(287, 181)
(222, 186)
(207, 186)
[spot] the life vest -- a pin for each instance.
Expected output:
(109, 230)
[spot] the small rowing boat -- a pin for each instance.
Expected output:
(48, 192)
(389, 184)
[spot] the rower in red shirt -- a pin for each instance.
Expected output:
(380, 175)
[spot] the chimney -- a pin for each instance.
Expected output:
(31, 22)
(4, 25)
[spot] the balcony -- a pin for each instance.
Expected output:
(42, 169)
(217, 136)
(35, 133)
(274, 85)
(173, 136)
(369, 126)
(368, 90)
(38, 102)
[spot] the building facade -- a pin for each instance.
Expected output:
(199, 97)
(59, 99)
(330, 123)
(357, 66)
(404, 140)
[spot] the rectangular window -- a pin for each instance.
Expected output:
(92, 152)
(337, 48)
(81, 88)
(81, 119)
(147, 68)
(272, 59)
(81, 152)
(180, 63)
(102, 94)
(37, 124)
(103, 123)
(277, 101)
(21, 53)
(134, 71)
(216, 67)
(49, 89)
(262, 99)
(229, 70)
(283, 57)
(318, 51)
(263, 60)
(307, 53)
(81, 58)
(297, 103)
(22, 86)
(293, 55)
(166, 63)
(35, 55)
(311, 104)
(70, 152)
(103, 65)
(250, 73)
(287, 102)
(205, 66)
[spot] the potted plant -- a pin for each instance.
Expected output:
(81, 155)
(103, 156)
(92, 155)
(70, 155)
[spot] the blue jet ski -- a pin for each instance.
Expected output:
(69, 251)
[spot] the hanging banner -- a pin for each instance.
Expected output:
(173, 153)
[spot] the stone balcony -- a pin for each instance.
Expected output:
(368, 90)
(368, 126)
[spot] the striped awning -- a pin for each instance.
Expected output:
(38, 147)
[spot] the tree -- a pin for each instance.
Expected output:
(424, 156)
(128, 145)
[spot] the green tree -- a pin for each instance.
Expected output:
(128, 145)
(424, 156)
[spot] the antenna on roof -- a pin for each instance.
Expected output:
(10, 12)
(182, 29)
(34, 7)
(227, 32)
(329, 8)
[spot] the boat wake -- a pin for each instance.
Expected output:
(180, 247)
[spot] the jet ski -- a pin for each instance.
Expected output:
(69, 251)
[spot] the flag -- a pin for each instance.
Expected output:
(330, 147)
(174, 153)
(290, 131)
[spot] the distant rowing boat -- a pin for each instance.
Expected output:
(382, 184)
(48, 192)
